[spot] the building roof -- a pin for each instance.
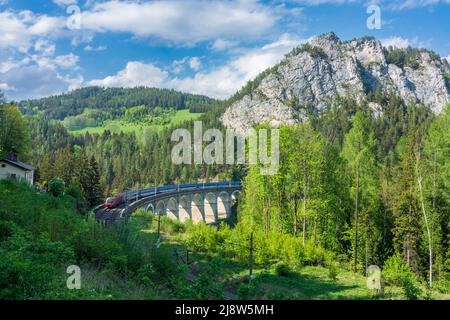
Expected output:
(19, 164)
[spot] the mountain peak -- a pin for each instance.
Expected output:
(325, 68)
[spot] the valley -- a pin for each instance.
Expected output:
(362, 144)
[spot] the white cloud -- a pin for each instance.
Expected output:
(45, 47)
(223, 44)
(91, 48)
(181, 21)
(398, 42)
(33, 81)
(63, 3)
(6, 87)
(220, 82)
(135, 74)
(20, 30)
(67, 61)
(388, 4)
(194, 63)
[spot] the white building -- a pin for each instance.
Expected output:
(10, 169)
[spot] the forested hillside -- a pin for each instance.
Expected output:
(113, 101)
(357, 186)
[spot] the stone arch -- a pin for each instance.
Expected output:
(223, 205)
(172, 209)
(185, 208)
(198, 208)
(210, 208)
(150, 207)
(161, 208)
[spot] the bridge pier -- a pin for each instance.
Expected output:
(211, 216)
(198, 208)
(172, 209)
(185, 208)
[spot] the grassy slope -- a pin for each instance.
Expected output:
(58, 236)
(119, 125)
(305, 283)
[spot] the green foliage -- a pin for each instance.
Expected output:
(246, 291)
(397, 272)
(314, 51)
(282, 269)
(97, 103)
(40, 236)
(408, 57)
(333, 271)
(56, 187)
(14, 136)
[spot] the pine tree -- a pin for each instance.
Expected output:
(359, 152)
(14, 135)
(407, 215)
(94, 195)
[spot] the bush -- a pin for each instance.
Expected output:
(74, 190)
(283, 270)
(56, 187)
(333, 271)
(247, 291)
(397, 272)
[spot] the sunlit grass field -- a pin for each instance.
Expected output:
(127, 127)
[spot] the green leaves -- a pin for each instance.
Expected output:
(14, 135)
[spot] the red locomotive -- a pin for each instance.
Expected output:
(113, 202)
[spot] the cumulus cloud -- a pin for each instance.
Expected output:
(223, 44)
(135, 74)
(398, 42)
(220, 82)
(33, 81)
(91, 48)
(181, 21)
(6, 87)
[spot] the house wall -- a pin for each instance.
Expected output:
(6, 170)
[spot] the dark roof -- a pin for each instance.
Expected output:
(19, 164)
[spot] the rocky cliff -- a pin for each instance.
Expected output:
(326, 67)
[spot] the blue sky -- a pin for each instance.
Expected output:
(208, 47)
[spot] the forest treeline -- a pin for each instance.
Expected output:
(367, 188)
(113, 102)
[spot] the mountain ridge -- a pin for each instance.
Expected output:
(325, 68)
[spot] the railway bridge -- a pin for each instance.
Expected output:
(199, 202)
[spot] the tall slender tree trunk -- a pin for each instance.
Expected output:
(367, 252)
(355, 264)
(434, 179)
(430, 248)
(305, 194)
(315, 228)
(295, 218)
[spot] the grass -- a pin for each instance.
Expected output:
(127, 127)
(305, 283)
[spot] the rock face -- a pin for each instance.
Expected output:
(330, 68)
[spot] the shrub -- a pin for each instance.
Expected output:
(56, 187)
(333, 271)
(283, 270)
(74, 190)
(247, 291)
(397, 272)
